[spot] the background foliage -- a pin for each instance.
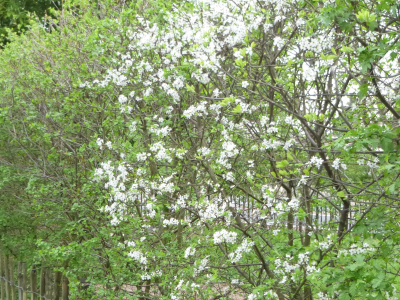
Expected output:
(129, 130)
(15, 14)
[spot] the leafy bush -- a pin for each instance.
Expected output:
(172, 150)
(15, 15)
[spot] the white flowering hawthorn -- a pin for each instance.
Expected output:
(219, 85)
(229, 130)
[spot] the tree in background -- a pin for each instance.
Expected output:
(15, 14)
(186, 150)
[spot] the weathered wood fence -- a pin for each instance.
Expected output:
(49, 286)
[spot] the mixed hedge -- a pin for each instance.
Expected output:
(185, 149)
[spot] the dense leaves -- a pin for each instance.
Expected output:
(15, 15)
(170, 150)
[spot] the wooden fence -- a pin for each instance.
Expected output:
(321, 215)
(49, 286)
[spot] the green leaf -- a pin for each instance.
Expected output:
(346, 49)
(309, 54)
(301, 214)
(237, 109)
(363, 90)
(283, 172)
(387, 144)
(226, 101)
(190, 88)
(341, 194)
(282, 164)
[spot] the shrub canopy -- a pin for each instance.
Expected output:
(187, 150)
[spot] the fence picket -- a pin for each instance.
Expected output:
(57, 285)
(48, 283)
(3, 274)
(24, 294)
(20, 280)
(65, 288)
(42, 282)
(12, 283)
(33, 283)
(7, 266)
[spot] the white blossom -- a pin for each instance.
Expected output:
(122, 99)
(225, 236)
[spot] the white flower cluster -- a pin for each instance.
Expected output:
(85, 84)
(229, 150)
(160, 131)
(316, 161)
(138, 256)
(202, 266)
(199, 110)
(122, 99)
(372, 164)
(225, 236)
(150, 211)
(130, 243)
(113, 76)
(294, 203)
(212, 211)
(326, 245)
(288, 144)
(316, 44)
(245, 84)
(245, 247)
(323, 296)
(394, 294)
(180, 153)
(119, 194)
(189, 252)
(279, 42)
(289, 121)
(303, 180)
(204, 151)
(245, 107)
(355, 249)
(100, 143)
(160, 152)
(336, 164)
(271, 295)
(287, 269)
(142, 156)
(252, 297)
(148, 276)
(271, 144)
(182, 200)
(308, 72)
(171, 221)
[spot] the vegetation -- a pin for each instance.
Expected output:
(15, 15)
(186, 150)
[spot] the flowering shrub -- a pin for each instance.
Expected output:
(189, 148)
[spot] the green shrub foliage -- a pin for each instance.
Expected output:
(15, 15)
(209, 149)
